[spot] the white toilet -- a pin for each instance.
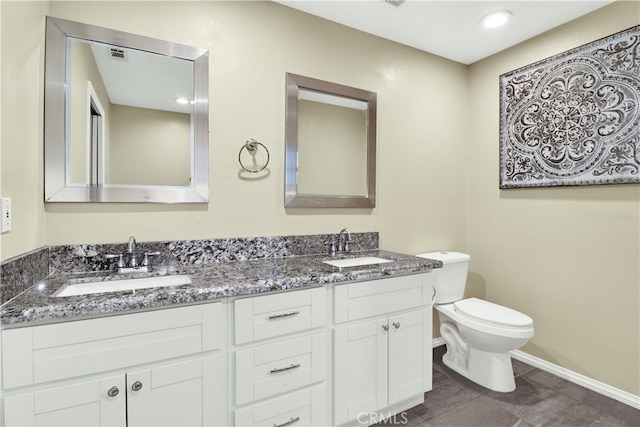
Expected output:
(479, 334)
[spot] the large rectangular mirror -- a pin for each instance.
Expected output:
(126, 117)
(330, 145)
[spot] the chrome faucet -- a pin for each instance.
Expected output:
(131, 250)
(131, 264)
(344, 237)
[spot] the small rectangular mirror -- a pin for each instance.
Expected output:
(330, 145)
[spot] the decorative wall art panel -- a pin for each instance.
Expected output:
(574, 118)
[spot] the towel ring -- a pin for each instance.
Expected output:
(252, 147)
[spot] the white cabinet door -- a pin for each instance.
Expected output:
(381, 362)
(95, 402)
(407, 365)
(185, 393)
(360, 369)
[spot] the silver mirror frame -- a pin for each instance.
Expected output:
(295, 83)
(56, 188)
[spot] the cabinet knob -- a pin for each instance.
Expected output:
(396, 325)
(385, 327)
(137, 386)
(113, 391)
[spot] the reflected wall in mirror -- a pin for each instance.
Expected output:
(126, 117)
(330, 144)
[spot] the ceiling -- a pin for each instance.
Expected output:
(449, 28)
(143, 79)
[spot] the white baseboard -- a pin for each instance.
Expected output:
(437, 342)
(574, 377)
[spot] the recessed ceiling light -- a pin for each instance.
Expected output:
(496, 19)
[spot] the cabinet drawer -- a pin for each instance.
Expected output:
(277, 368)
(38, 354)
(274, 315)
(302, 408)
(378, 297)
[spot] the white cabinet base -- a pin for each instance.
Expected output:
(382, 356)
(258, 360)
(157, 368)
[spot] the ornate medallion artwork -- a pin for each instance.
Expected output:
(573, 119)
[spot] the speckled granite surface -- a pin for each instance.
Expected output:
(85, 258)
(212, 281)
(21, 272)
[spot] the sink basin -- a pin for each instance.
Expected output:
(98, 287)
(356, 262)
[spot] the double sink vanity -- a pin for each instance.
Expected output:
(279, 341)
(274, 331)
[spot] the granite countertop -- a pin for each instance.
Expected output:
(214, 281)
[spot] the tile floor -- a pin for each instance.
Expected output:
(540, 399)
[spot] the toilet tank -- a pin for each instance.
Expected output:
(451, 279)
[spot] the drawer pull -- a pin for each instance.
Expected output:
(137, 386)
(396, 325)
(276, 370)
(288, 423)
(279, 316)
(385, 328)
(113, 391)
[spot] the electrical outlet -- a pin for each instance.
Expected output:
(5, 223)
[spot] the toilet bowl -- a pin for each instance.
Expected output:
(479, 335)
(478, 348)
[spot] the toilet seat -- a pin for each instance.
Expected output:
(485, 311)
(482, 325)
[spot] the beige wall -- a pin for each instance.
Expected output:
(421, 195)
(22, 95)
(332, 149)
(148, 147)
(566, 256)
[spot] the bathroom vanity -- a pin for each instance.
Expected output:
(290, 341)
(153, 368)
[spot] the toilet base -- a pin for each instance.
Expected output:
(491, 370)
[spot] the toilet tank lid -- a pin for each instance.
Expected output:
(446, 257)
(493, 313)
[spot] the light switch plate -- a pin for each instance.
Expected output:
(5, 224)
